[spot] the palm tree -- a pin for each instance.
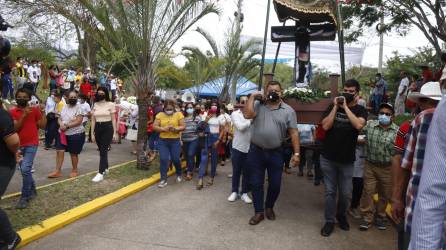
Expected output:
(144, 31)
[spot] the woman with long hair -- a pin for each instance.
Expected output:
(70, 126)
(190, 138)
(170, 124)
(103, 128)
(214, 132)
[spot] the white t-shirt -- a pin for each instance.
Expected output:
(68, 115)
(85, 109)
(113, 84)
(214, 125)
(33, 74)
(403, 84)
(225, 118)
(242, 133)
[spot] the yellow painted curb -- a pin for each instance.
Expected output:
(54, 223)
(68, 179)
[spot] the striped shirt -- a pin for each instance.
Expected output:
(430, 209)
(413, 159)
(190, 132)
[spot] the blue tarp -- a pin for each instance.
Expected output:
(213, 88)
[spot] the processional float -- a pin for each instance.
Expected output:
(314, 20)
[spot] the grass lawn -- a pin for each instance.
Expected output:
(61, 197)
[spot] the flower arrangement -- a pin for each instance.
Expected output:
(306, 94)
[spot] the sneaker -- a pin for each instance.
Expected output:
(98, 178)
(6, 101)
(107, 171)
(380, 223)
(343, 223)
(33, 170)
(179, 179)
(354, 212)
(246, 198)
(22, 204)
(327, 229)
(233, 197)
(364, 226)
(15, 242)
(162, 184)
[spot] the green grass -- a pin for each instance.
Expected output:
(61, 197)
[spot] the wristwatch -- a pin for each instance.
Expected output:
(296, 154)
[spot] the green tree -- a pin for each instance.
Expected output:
(400, 15)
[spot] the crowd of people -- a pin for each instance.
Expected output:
(354, 154)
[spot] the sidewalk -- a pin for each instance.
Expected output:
(45, 163)
(180, 217)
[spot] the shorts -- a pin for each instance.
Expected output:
(75, 143)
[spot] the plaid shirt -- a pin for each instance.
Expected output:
(413, 159)
(380, 142)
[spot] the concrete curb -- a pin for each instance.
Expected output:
(65, 180)
(54, 223)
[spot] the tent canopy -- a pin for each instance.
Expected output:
(213, 88)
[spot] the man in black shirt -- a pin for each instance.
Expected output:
(342, 123)
(9, 146)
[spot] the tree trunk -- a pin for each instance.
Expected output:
(234, 90)
(143, 103)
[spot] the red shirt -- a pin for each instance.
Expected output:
(85, 89)
(400, 139)
(150, 115)
(29, 133)
(427, 75)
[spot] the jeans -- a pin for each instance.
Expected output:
(190, 150)
(153, 141)
(170, 149)
(337, 176)
(377, 100)
(50, 132)
(7, 234)
(239, 169)
(7, 87)
(259, 160)
(318, 175)
(103, 132)
(29, 186)
(209, 146)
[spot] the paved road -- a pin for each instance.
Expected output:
(45, 163)
(179, 217)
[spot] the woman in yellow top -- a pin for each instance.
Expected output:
(169, 124)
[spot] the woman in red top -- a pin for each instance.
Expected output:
(27, 122)
(151, 153)
(85, 88)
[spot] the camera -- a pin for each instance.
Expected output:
(340, 100)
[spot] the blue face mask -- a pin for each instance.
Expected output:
(190, 111)
(384, 120)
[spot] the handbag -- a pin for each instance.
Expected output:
(132, 135)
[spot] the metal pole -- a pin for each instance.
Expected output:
(381, 42)
(341, 43)
(277, 52)
(262, 65)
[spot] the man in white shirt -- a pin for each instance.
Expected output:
(33, 74)
(240, 148)
(86, 109)
(400, 101)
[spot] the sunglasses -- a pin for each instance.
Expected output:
(384, 113)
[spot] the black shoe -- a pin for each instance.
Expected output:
(317, 182)
(380, 223)
(15, 243)
(22, 204)
(343, 223)
(364, 226)
(327, 229)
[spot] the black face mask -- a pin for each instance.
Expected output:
(273, 96)
(100, 98)
(348, 97)
(72, 102)
(22, 102)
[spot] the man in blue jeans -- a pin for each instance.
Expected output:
(342, 122)
(272, 119)
(9, 151)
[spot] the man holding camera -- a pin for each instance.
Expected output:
(9, 152)
(272, 119)
(342, 122)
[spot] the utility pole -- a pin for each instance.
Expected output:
(381, 41)
(265, 38)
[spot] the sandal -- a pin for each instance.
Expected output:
(188, 177)
(56, 174)
(73, 174)
(200, 184)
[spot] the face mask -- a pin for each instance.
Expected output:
(169, 112)
(384, 120)
(348, 97)
(22, 102)
(213, 109)
(273, 96)
(190, 111)
(72, 102)
(100, 98)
